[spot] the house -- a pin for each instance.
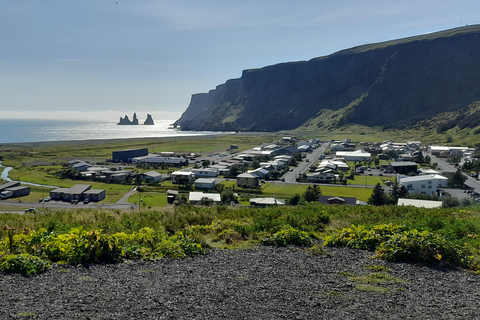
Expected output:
(81, 166)
(205, 172)
(414, 145)
(78, 192)
(14, 192)
(260, 173)
(426, 184)
(75, 192)
(196, 197)
(325, 176)
(419, 203)
(94, 195)
(404, 167)
(337, 147)
(205, 183)
(247, 179)
(439, 151)
(181, 177)
(151, 177)
(337, 200)
(266, 202)
(9, 184)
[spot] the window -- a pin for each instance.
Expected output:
(423, 186)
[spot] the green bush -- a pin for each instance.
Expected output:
(423, 246)
(24, 263)
(394, 243)
(361, 237)
(289, 236)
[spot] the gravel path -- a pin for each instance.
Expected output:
(260, 283)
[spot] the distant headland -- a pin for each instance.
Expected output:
(126, 122)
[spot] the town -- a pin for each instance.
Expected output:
(404, 173)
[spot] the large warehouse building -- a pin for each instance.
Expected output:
(126, 156)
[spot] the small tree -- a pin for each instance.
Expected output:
(458, 179)
(205, 163)
(378, 197)
(312, 193)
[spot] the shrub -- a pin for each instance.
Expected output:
(361, 237)
(290, 236)
(24, 263)
(423, 246)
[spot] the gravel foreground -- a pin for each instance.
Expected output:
(259, 283)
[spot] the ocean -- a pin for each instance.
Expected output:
(16, 131)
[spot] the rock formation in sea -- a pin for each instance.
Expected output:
(126, 121)
(149, 120)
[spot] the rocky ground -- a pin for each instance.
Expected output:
(260, 283)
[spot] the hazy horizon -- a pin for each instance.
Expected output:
(104, 59)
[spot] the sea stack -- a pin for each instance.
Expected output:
(126, 121)
(149, 120)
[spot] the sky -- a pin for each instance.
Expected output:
(102, 59)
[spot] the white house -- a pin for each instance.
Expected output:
(178, 176)
(205, 172)
(266, 202)
(427, 184)
(321, 176)
(151, 177)
(196, 197)
(205, 183)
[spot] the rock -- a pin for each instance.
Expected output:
(126, 121)
(149, 120)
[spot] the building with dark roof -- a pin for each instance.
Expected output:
(127, 155)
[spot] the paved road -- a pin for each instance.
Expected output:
(471, 182)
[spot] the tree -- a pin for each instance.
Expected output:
(457, 180)
(378, 197)
(205, 163)
(255, 164)
(295, 199)
(233, 171)
(312, 193)
(228, 196)
(376, 161)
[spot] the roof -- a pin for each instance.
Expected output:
(94, 191)
(246, 175)
(205, 180)
(419, 203)
(78, 188)
(267, 201)
(358, 153)
(182, 173)
(169, 191)
(197, 196)
(152, 174)
(423, 178)
(403, 164)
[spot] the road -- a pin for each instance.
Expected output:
(471, 182)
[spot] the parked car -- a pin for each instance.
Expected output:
(31, 210)
(86, 201)
(47, 199)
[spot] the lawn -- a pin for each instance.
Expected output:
(287, 191)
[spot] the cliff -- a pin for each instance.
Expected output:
(390, 84)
